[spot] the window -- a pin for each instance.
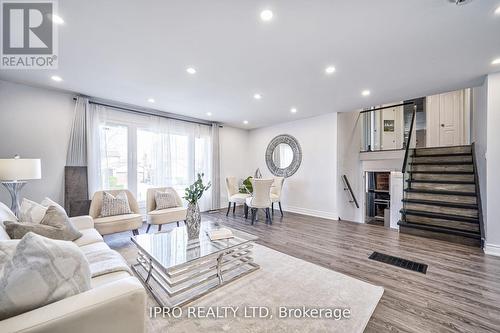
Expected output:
(114, 156)
(139, 152)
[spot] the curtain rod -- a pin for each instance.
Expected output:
(388, 107)
(151, 113)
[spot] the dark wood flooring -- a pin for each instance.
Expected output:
(459, 293)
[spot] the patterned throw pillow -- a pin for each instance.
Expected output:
(112, 205)
(39, 272)
(31, 211)
(55, 224)
(165, 199)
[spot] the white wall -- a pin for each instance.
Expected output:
(313, 188)
(234, 157)
(492, 165)
(35, 123)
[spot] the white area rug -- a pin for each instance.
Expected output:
(281, 281)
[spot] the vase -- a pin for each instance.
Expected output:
(193, 221)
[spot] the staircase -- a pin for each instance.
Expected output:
(440, 197)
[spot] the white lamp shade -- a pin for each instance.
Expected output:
(12, 169)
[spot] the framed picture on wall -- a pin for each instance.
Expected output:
(388, 125)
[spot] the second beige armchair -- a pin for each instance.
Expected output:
(163, 216)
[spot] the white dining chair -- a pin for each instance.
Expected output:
(261, 198)
(276, 190)
(233, 195)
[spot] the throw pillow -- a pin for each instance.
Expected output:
(41, 271)
(165, 199)
(55, 224)
(6, 214)
(49, 202)
(115, 205)
(31, 211)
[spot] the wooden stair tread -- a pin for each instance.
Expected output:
(445, 172)
(445, 230)
(440, 155)
(440, 216)
(440, 203)
(442, 163)
(437, 181)
(465, 194)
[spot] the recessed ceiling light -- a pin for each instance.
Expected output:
(497, 11)
(293, 110)
(191, 70)
(366, 93)
(330, 70)
(209, 114)
(245, 122)
(266, 15)
(496, 61)
(151, 100)
(257, 96)
(56, 19)
(56, 78)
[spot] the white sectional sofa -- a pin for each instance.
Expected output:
(115, 304)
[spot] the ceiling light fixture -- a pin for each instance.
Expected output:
(257, 96)
(151, 100)
(56, 19)
(209, 114)
(366, 93)
(56, 78)
(191, 70)
(330, 70)
(496, 61)
(245, 122)
(293, 110)
(266, 15)
(497, 11)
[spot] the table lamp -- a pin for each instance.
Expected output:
(14, 172)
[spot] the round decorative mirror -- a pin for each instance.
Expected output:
(283, 155)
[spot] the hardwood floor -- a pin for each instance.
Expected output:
(459, 293)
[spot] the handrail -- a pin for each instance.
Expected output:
(388, 107)
(478, 194)
(409, 138)
(346, 182)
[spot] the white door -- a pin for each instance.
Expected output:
(450, 118)
(446, 120)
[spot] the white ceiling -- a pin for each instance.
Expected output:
(129, 51)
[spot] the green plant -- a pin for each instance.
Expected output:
(195, 191)
(247, 186)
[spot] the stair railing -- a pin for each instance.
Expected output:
(409, 149)
(408, 142)
(348, 188)
(478, 195)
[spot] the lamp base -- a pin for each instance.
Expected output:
(14, 189)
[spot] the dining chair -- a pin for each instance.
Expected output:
(276, 191)
(233, 195)
(261, 198)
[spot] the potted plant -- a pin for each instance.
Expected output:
(192, 195)
(247, 187)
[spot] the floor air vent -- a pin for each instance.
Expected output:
(399, 262)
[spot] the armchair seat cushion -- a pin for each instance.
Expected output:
(239, 197)
(118, 223)
(169, 215)
(89, 236)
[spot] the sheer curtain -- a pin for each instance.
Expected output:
(127, 150)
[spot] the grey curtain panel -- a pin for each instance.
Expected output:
(77, 148)
(215, 167)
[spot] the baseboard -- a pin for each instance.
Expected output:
(492, 249)
(309, 212)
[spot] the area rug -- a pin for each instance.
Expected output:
(281, 296)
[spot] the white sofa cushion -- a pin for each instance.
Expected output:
(89, 236)
(41, 271)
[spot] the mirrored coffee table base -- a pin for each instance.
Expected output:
(181, 284)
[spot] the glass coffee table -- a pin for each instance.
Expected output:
(177, 271)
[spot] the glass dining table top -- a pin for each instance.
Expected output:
(172, 248)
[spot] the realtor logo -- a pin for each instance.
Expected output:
(28, 35)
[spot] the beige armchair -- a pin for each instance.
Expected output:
(118, 223)
(233, 194)
(276, 190)
(163, 216)
(261, 198)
